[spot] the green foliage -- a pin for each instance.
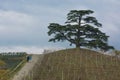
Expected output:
(11, 61)
(81, 30)
(2, 63)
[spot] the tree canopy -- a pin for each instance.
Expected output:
(80, 29)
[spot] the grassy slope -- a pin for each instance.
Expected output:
(12, 63)
(77, 64)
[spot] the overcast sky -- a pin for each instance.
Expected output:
(23, 23)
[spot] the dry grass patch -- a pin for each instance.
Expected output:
(77, 64)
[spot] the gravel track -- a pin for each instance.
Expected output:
(27, 67)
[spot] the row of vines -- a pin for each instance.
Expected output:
(11, 61)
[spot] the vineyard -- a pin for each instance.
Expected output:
(9, 64)
(76, 64)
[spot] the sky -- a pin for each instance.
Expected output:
(23, 23)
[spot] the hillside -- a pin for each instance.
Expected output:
(2, 66)
(2, 63)
(10, 63)
(27, 67)
(77, 64)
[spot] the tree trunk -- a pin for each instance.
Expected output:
(77, 45)
(78, 33)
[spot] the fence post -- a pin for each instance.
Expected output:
(62, 75)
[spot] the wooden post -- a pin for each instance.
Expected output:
(62, 75)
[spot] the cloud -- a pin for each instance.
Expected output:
(19, 28)
(12, 16)
(28, 49)
(24, 23)
(12, 21)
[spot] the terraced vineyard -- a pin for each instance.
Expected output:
(2, 65)
(76, 64)
(9, 64)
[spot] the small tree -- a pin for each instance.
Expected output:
(81, 30)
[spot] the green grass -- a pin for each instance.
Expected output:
(13, 64)
(77, 64)
(10, 73)
(11, 60)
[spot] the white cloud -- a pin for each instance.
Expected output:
(28, 49)
(110, 21)
(18, 28)
(29, 19)
(16, 23)
(11, 21)
(12, 17)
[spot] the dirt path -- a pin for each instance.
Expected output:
(27, 67)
